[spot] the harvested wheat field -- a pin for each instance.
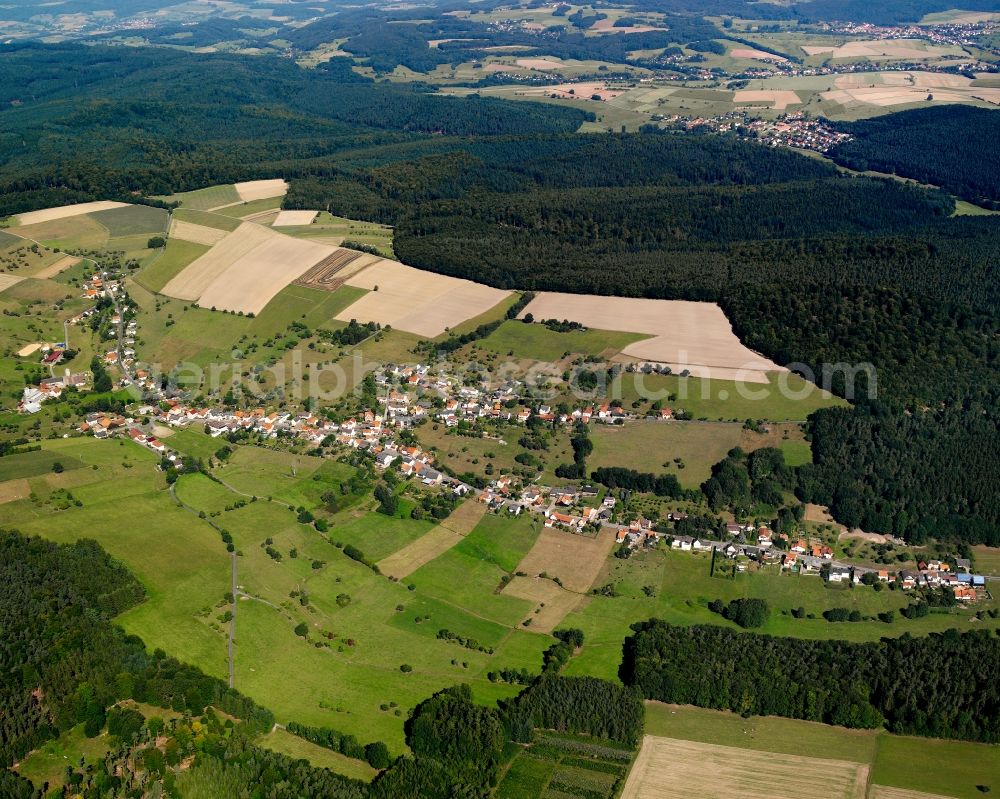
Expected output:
(759, 55)
(12, 490)
(246, 269)
(578, 91)
(891, 48)
(539, 63)
(779, 99)
(695, 336)
(261, 189)
(418, 302)
(196, 234)
(668, 767)
(6, 281)
(575, 559)
(434, 542)
(59, 266)
(64, 211)
(551, 603)
(291, 218)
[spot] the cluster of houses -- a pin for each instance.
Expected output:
(804, 557)
(788, 130)
(100, 285)
(561, 508)
(95, 287)
(50, 388)
(409, 394)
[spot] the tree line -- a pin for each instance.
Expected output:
(940, 685)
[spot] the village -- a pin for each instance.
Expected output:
(410, 395)
(576, 509)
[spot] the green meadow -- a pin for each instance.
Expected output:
(682, 588)
(203, 199)
(537, 342)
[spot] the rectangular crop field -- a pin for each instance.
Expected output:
(652, 446)
(416, 301)
(198, 234)
(132, 220)
(948, 768)
(65, 211)
(668, 767)
(293, 218)
(246, 269)
(203, 199)
(261, 189)
(206, 219)
(164, 266)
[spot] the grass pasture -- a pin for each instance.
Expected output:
(32, 464)
(164, 266)
(652, 446)
(575, 560)
(47, 764)
(380, 536)
(537, 342)
(403, 562)
(132, 220)
(204, 199)
(785, 396)
(682, 589)
(280, 740)
(987, 559)
(464, 580)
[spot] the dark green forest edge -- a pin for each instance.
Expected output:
(64, 664)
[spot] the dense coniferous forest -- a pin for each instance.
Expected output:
(87, 122)
(955, 147)
(941, 685)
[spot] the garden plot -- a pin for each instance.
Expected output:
(695, 336)
(418, 302)
(65, 211)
